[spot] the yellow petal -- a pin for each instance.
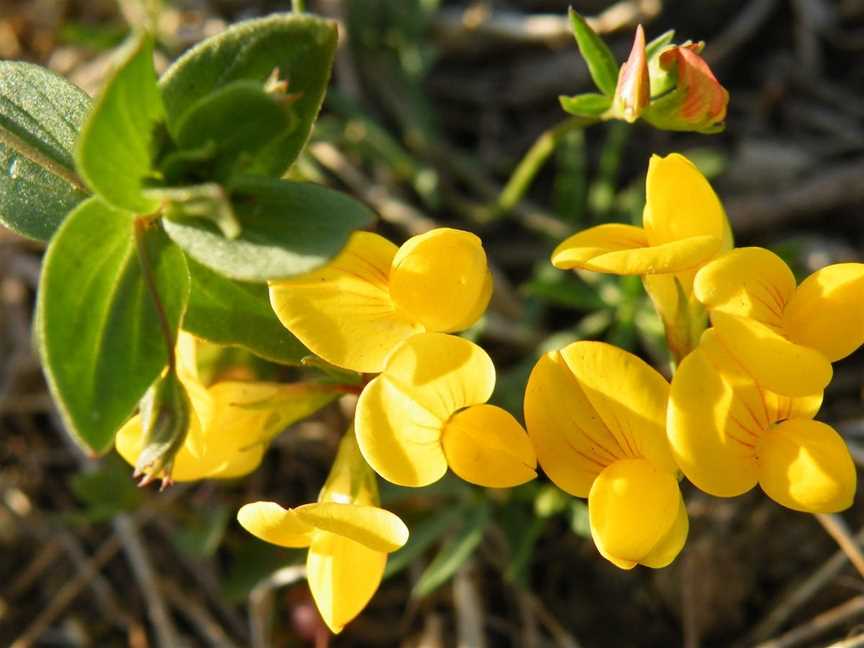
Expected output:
(399, 438)
(632, 507)
(627, 395)
(624, 250)
(401, 414)
(485, 445)
(714, 426)
(751, 282)
(681, 204)
(371, 526)
(826, 311)
(672, 543)
(343, 312)
(351, 480)
(441, 279)
(274, 524)
(572, 444)
(774, 362)
(343, 576)
(805, 465)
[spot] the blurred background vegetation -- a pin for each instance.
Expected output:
(432, 105)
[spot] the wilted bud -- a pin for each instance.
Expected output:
(632, 95)
(165, 412)
(695, 100)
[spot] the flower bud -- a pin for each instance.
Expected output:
(632, 95)
(695, 100)
(165, 413)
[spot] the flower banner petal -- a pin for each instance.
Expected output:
(274, 524)
(442, 279)
(632, 507)
(485, 445)
(827, 310)
(681, 204)
(573, 446)
(343, 312)
(806, 466)
(774, 362)
(628, 395)
(371, 526)
(751, 282)
(343, 576)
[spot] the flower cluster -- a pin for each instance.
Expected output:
(741, 403)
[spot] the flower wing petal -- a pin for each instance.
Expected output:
(371, 526)
(632, 507)
(805, 465)
(343, 576)
(272, 523)
(774, 362)
(485, 445)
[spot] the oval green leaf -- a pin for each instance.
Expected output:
(40, 116)
(236, 313)
(97, 327)
(288, 228)
(301, 47)
(586, 105)
(115, 151)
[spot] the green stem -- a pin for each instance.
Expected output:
(36, 156)
(533, 161)
(298, 6)
(141, 225)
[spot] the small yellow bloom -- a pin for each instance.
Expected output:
(373, 295)
(348, 536)
(597, 416)
(728, 432)
(787, 336)
(231, 423)
(427, 411)
(683, 227)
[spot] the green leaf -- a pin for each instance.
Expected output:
(302, 47)
(235, 123)
(107, 490)
(200, 534)
(601, 62)
(115, 151)
(288, 228)
(423, 535)
(586, 105)
(97, 326)
(230, 312)
(454, 553)
(40, 116)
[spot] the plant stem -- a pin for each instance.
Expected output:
(38, 157)
(298, 6)
(141, 225)
(533, 161)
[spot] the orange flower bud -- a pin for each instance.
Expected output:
(698, 101)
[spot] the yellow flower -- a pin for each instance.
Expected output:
(597, 416)
(231, 423)
(427, 411)
(728, 433)
(683, 227)
(348, 536)
(787, 336)
(373, 295)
